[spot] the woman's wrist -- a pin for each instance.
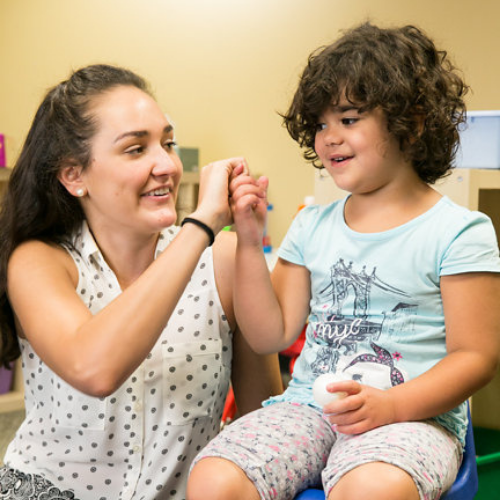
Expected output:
(213, 221)
(204, 227)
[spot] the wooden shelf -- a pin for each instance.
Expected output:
(5, 174)
(187, 197)
(13, 400)
(4, 177)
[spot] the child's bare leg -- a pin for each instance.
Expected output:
(376, 481)
(215, 478)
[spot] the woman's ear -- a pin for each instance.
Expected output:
(70, 176)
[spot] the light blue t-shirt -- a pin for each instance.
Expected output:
(376, 309)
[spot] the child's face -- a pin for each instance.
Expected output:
(357, 150)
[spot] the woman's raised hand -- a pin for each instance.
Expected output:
(213, 200)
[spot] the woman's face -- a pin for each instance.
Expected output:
(134, 172)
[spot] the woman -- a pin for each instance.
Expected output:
(125, 322)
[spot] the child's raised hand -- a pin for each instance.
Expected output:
(248, 200)
(364, 407)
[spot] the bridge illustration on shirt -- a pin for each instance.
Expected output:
(342, 331)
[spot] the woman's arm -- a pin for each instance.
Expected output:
(254, 377)
(96, 353)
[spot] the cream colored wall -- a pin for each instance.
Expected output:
(222, 68)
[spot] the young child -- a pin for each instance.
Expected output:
(399, 285)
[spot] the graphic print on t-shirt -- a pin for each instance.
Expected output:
(350, 328)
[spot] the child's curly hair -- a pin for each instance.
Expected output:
(399, 71)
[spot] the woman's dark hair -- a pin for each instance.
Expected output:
(399, 71)
(36, 205)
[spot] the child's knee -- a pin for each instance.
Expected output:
(215, 478)
(377, 481)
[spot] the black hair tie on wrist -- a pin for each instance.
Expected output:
(202, 225)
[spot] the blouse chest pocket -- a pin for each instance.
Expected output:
(192, 375)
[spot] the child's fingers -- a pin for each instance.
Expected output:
(239, 167)
(263, 182)
(246, 196)
(245, 184)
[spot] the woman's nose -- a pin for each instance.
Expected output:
(166, 163)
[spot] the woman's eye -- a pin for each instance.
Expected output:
(136, 150)
(168, 145)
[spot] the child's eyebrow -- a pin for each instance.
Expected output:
(345, 108)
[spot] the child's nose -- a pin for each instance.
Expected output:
(333, 136)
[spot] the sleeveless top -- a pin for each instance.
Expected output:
(137, 443)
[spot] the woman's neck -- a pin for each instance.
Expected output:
(127, 255)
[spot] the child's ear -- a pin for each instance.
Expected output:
(419, 119)
(70, 176)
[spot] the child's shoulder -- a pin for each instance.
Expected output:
(458, 214)
(452, 222)
(316, 211)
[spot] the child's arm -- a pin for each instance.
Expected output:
(472, 318)
(271, 314)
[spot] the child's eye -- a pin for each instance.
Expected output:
(320, 127)
(349, 121)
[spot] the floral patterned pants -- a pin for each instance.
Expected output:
(285, 448)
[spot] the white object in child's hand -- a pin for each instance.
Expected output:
(321, 395)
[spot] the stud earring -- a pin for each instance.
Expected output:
(80, 192)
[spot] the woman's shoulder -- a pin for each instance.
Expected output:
(33, 255)
(38, 248)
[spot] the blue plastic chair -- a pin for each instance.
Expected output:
(464, 488)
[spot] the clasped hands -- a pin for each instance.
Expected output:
(228, 189)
